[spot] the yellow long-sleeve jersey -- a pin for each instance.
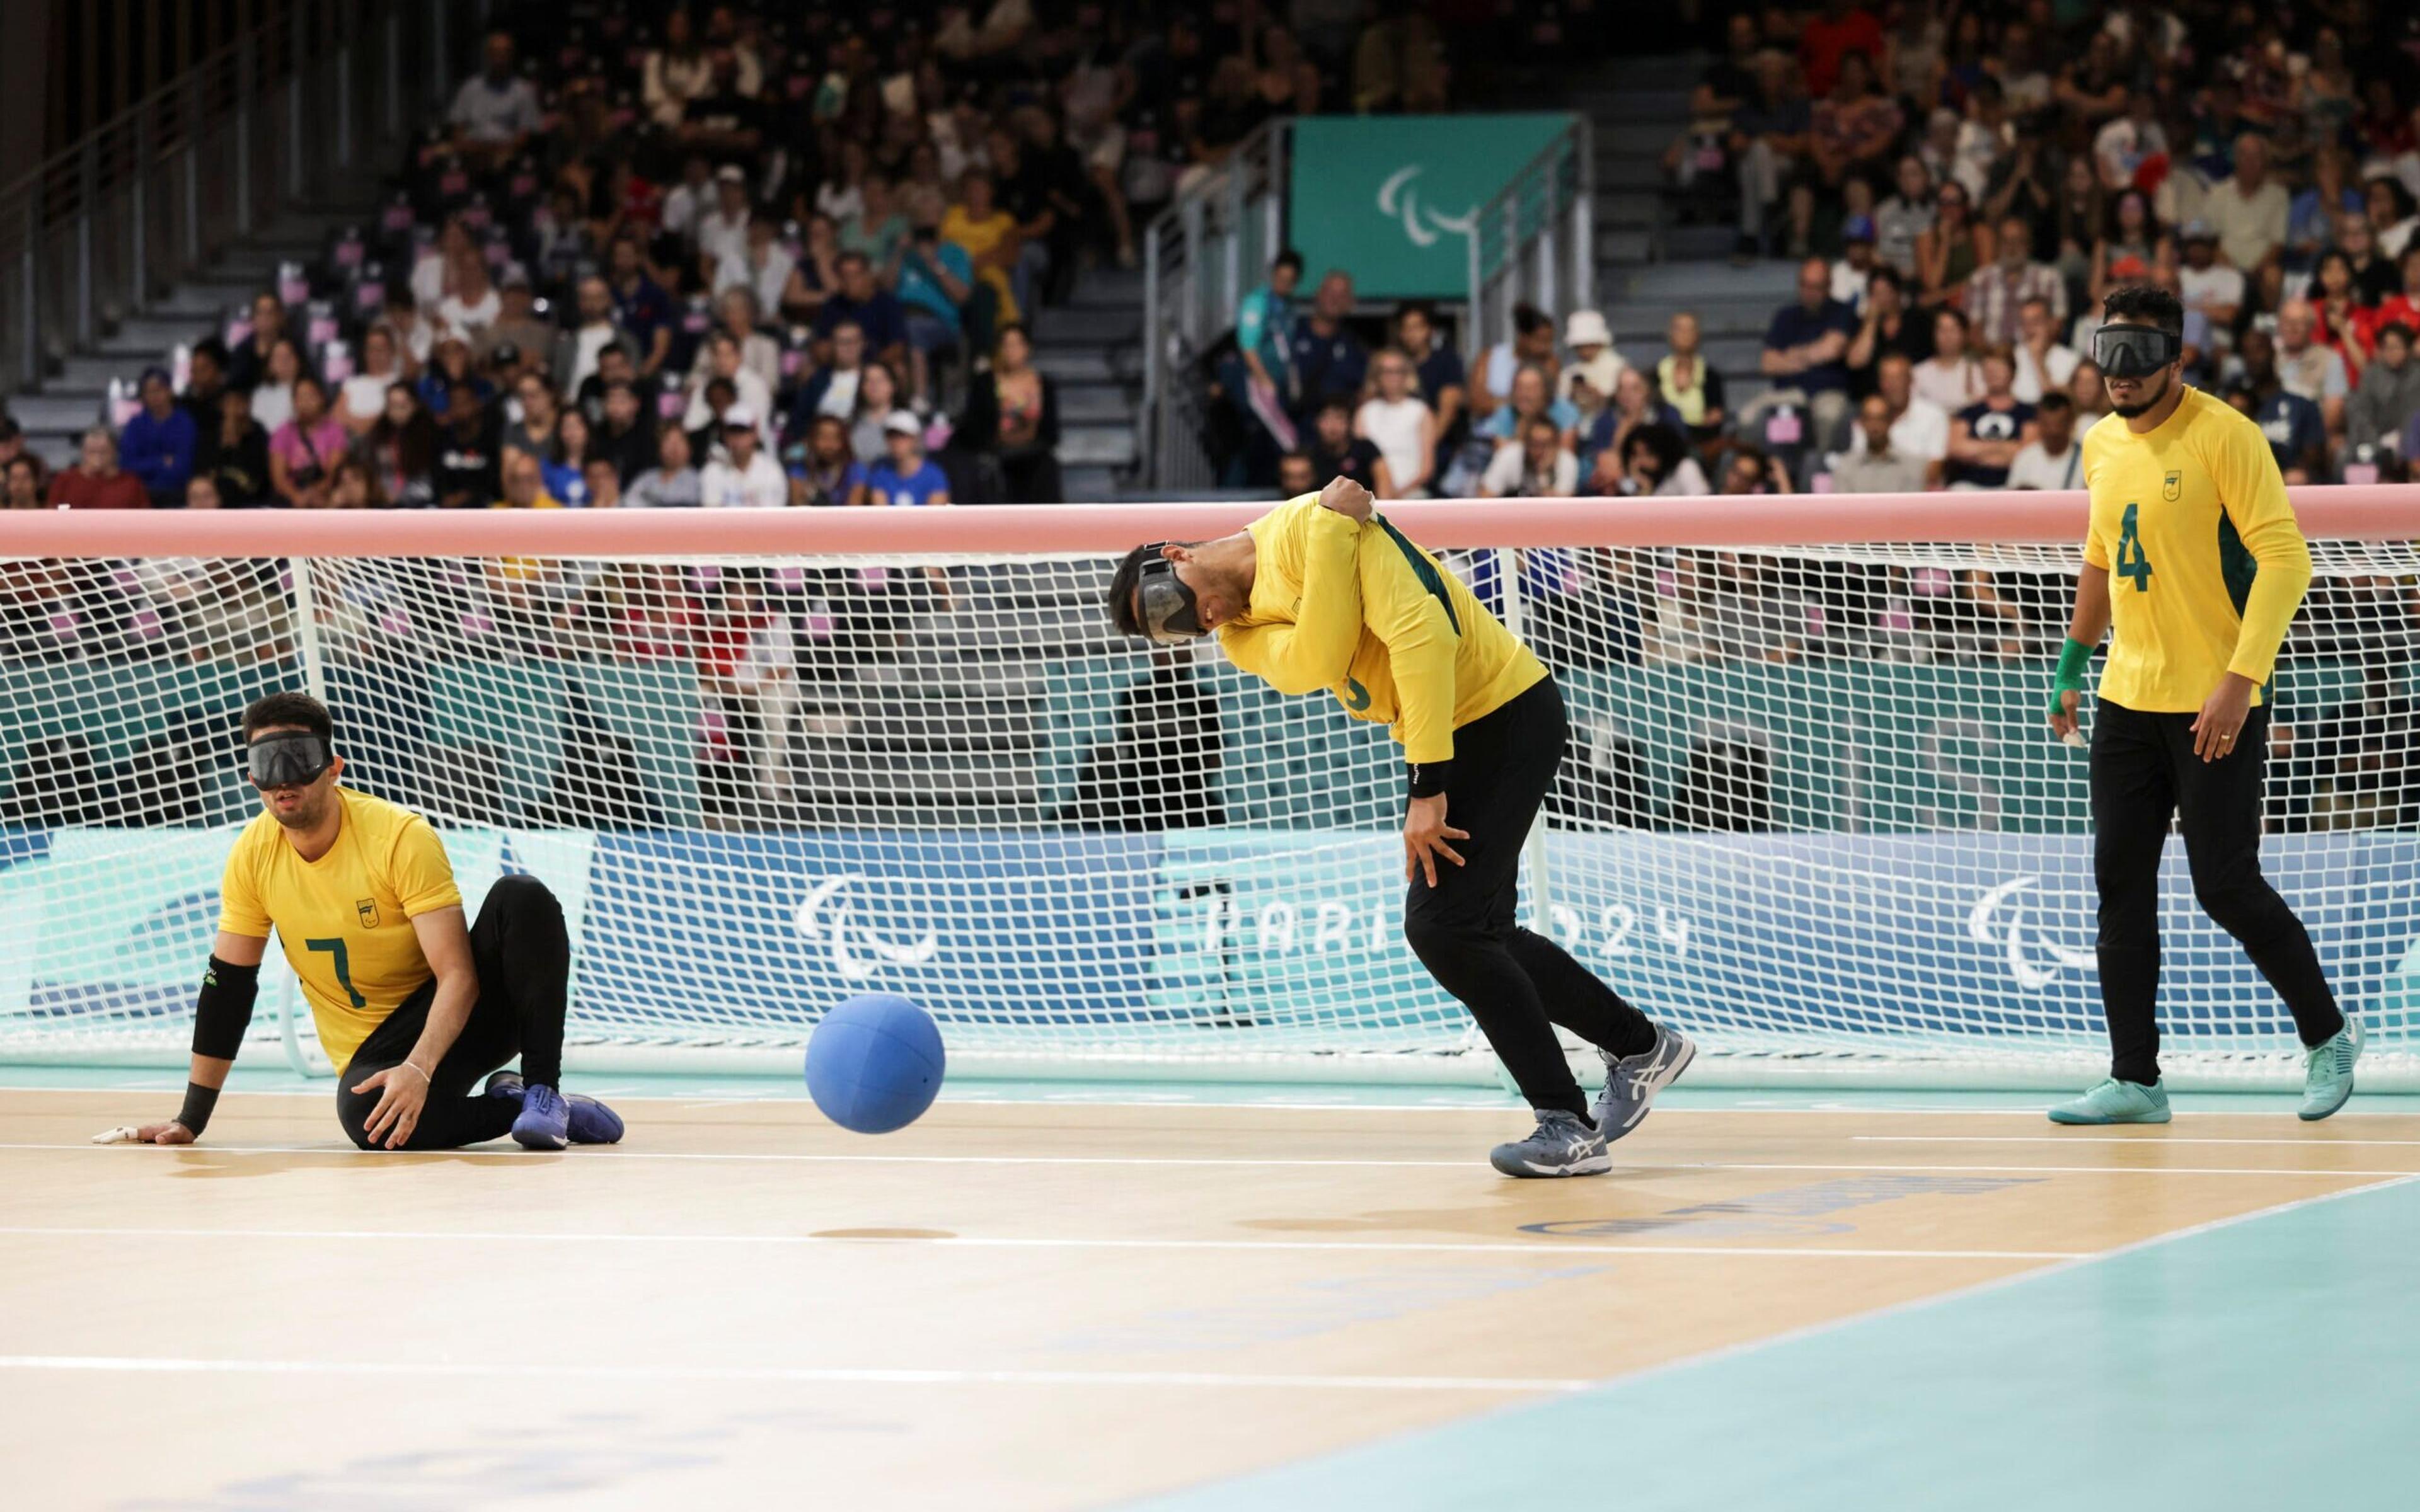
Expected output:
(1363, 612)
(2206, 561)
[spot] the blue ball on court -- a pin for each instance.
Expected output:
(875, 1063)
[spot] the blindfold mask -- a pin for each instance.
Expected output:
(2134, 352)
(286, 760)
(1170, 613)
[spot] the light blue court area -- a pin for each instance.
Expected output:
(2268, 1363)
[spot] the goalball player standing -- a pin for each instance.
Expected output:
(2191, 520)
(412, 1007)
(1321, 593)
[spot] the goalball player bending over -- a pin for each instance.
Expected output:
(1321, 593)
(2189, 515)
(411, 1005)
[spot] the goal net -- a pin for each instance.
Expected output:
(1811, 812)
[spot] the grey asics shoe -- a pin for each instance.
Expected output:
(1562, 1145)
(1631, 1082)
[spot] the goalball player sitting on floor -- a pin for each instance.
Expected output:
(1321, 593)
(2190, 517)
(413, 1007)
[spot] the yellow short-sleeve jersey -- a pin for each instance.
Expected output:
(345, 920)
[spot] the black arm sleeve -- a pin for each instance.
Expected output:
(223, 1009)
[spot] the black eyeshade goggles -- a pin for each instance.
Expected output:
(1170, 613)
(2134, 352)
(286, 760)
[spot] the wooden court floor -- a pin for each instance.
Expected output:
(1007, 1305)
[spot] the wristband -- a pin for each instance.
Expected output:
(1429, 778)
(2074, 657)
(196, 1113)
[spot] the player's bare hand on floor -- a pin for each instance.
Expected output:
(1348, 499)
(170, 1132)
(1425, 833)
(403, 1092)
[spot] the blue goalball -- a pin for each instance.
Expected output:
(875, 1063)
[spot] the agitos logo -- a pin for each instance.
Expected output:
(828, 917)
(1999, 918)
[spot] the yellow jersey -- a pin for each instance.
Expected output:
(345, 920)
(1361, 611)
(2205, 562)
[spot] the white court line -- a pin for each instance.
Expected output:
(819, 1375)
(1642, 1169)
(1542, 1248)
(2314, 1142)
(1508, 1105)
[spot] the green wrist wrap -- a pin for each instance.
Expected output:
(2074, 657)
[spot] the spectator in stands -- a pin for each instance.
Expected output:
(746, 477)
(601, 482)
(1749, 471)
(905, 476)
(2393, 216)
(1337, 452)
(764, 269)
(1438, 371)
(593, 329)
(401, 450)
(96, 482)
(496, 110)
(724, 360)
(737, 313)
(1806, 354)
(2313, 217)
(676, 72)
(469, 448)
(827, 473)
(1400, 424)
(518, 324)
(1996, 292)
(615, 368)
(1901, 221)
(640, 306)
(1950, 378)
(472, 305)
(1855, 264)
(1635, 402)
(728, 120)
(2045, 366)
(451, 368)
(875, 310)
(1533, 345)
(23, 485)
(876, 228)
(1919, 428)
(1296, 476)
(1656, 461)
(1586, 380)
(355, 486)
(2053, 459)
(304, 450)
(624, 434)
(1888, 326)
(1873, 464)
(362, 398)
(2297, 432)
(249, 363)
(1329, 359)
(1769, 134)
(234, 452)
(273, 397)
(522, 477)
(2125, 143)
(1951, 248)
(721, 232)
(1687, 382)
(1838, 29)
(988, 233)
(2249, 208)
(2307, 368)
(672, 483)
(878, 394)
(2383, 407)
(2092, 399)
(832, 389)
(533, 432)
(1986, 435)
(1013, 412)
(937, 284)
(205, 380)
(158, 440)
(2208, 287)
(1852, 128)
(565, 465)
(1539, 465)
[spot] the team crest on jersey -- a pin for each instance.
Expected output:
(2175, 486)
(368, 909)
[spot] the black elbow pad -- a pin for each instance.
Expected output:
(223, 1011)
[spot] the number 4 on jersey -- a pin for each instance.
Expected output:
(2132, 563)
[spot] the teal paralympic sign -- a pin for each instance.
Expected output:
(1394, 200)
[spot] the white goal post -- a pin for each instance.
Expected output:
(769, 760)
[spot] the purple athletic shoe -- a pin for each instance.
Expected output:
(545, 1121)
(587, 1122)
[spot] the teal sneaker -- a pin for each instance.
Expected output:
(2116, 1101)
(2327, 1072)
